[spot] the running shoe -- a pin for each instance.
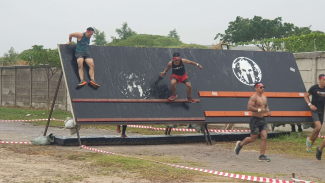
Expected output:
(264, 158)
(173, 97)
(309, 149)
(190, 99)
(318, 153)
(238, 147)
(308, 143)
(82, 83)
(93, 83)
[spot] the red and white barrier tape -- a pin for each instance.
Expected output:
(146, 127)
(7, 142)
(225, 174)
(302, 181)
(193, 130)
(52, 119)
(184, 129)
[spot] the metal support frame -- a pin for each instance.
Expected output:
(54, 99)
(207, 134)
(78, 135)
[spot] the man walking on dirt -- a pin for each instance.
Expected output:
(258, 105)
(317, 109)
(179, 75)
(82, 55)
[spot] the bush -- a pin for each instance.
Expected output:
(146, 40)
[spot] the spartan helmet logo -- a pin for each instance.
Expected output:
(246, 71)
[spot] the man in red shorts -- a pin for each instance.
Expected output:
(179, 75)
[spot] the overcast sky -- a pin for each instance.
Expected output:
(25, 23)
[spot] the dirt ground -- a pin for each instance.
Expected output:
(21, 167)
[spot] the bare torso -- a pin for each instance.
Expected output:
(260, 101)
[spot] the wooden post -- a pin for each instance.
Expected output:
(66, 98)
(54, 98)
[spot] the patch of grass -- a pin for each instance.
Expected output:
(150, 170)
(20, 113)
(12, 113)
(175, 160)
(125, 167)
(292, 145)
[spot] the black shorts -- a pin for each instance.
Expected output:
(82, 55)
(257, 125)
(317, 116)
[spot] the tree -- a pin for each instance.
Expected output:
(305, 43)
(40, 56)
(99, 38)
(123, 33)
(321, 32)
(259, 31)
(48, 57)
(10, 57)
(302, 31)
(173, 34)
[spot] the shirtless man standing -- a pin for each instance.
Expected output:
(258, 105)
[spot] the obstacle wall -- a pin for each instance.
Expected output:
(133, 73)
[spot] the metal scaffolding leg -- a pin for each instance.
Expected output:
(52, 107)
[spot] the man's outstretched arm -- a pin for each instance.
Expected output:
(192, 63)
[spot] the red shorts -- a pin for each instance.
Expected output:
(180, 79)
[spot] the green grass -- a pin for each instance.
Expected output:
(125, 167)
(20, 113)
(11, 113)
(153, 171)
(292, 145)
